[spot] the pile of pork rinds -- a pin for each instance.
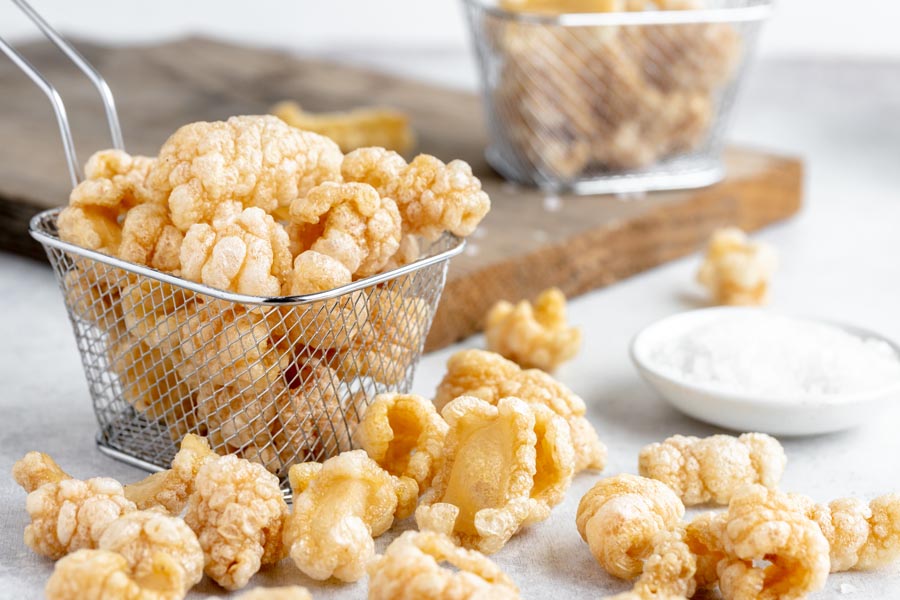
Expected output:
(257, 207)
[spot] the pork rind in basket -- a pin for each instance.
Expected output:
(197, 332)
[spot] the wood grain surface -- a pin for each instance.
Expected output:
(525, 244)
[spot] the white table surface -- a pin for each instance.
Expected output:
(840, 259)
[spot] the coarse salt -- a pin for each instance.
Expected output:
(777, 357)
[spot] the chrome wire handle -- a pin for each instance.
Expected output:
(59, 108)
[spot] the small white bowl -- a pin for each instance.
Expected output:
(743, 412)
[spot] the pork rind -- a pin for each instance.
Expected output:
(349, 222)
(735, 270)
(701, 536)
(712, 469)
(339, 507)
(404, 434)
(670, 569)
(35, 469)
(503, 467)
(289, 592)
(240, 250)
(259, 161)
(237, 511)
(620, 517)
(357, 128)
(433, 197)
(772, 549)
(149, 238)
(101, 574)
(489, 376)
(862, 536)
(171, 488)
(141, 535)
(411, 568)
(533, 336)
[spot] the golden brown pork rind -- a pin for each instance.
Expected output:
(104, 574)
(35, 469)
(620, 517)
(411, 568)
(171, 488)
(735, 270)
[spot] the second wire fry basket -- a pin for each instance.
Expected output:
(275, 380)
(612, 102)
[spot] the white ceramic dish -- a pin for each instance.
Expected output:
(743, 412)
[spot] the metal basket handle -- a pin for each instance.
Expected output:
(59, 108)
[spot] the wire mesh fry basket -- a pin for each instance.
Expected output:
(275, 380)
(612, 102)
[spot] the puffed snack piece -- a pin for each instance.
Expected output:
(669, 571)
(104, 575)
(66, 514)
(619, 518)
(340, 506)
(237, 511)
(701, 536)
(773, 551)
(404, 434)
(149, 238)
(712, 469)
(411, 569)
(259, 161)
(862, 536)
(735, 270)
(139, 536)
(489, 376)
(533, 336)
(503, 467)
(241, 250)
(171, 488)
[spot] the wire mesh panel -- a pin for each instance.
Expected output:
(277, 381)
(608, 102)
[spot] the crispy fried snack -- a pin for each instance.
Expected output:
(238, 512)
(712, 469)
(288, 592)
(141, 535)
(404, 434)
(772, 549)
(101, 575)
(533, 336)
(411, 569)
(620, 517)
(433, 197)
(35, 469)
(861, 536)
(358, 128)
(67, 514)
(170, 489)
(489, 376)
(670, 569)
(339, 507)
(241, 250)
(735, 270)
(152, 312)
(149, 238)
(240, 420)
(701, 536)
(350, 223)
(503, 467)
(259, 161)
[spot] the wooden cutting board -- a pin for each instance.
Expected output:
(525, 244)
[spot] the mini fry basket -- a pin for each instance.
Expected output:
(275, 380)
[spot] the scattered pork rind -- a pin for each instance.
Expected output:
(670, 569)
(357, 128)
(67, 514)
(503, 467)
(701, 536)
(533, 336)
(404, 434)
(141, 535)
(862, 536)
(411, 568)
(489, 376)
(620, 517)
(170, 489)
(237, 511)
(259, 161)
(289, 592)
(351, 223)
(102, 574)
(735, 270)
(35, 469)
(339, 507)
(772, 549)
(241, 250)
(149, 238)
(712, 469)
(433, 197)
